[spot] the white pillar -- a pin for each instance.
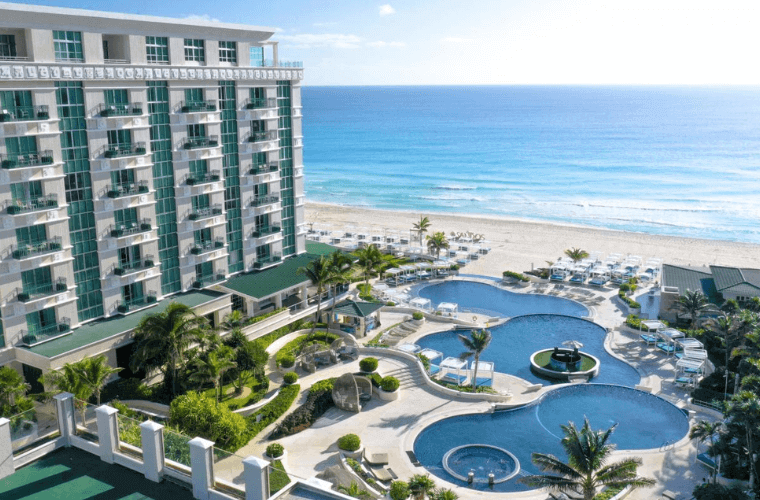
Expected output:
(108, 432)
(275, 55)
(64, 407)
(6, 449)
(153, 449)
(202, 464)
(256, 475)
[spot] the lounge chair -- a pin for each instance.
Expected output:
(706, 461)
(413, 458)
(434, 370)
(376, 458)
(484, 382)
(453, 378)
(684, 381)
(384, 474)
(649, 339)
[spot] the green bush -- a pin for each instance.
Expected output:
(272, 410)
(262, 317)
(290, 377)
(368, 364)
(349, 442)
(518, 276)
(633, 321)
(317, 403)
(197, 415)
(609, 493)
(275, 450)
(357, 468)
(294, 347)
(389, 384)
(390, 303)
(631, 303)
(266, 340)
(425, 361)
(418, 316)
(399, 490)
(286, 360)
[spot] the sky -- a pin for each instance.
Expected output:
(488, 42)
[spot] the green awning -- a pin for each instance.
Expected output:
(356, 309)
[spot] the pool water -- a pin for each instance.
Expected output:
(482, 298)
(644, 421)
(515, 341)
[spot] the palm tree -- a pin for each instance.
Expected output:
(318, 273)
(12, 385)
(576, 254)
(707, 431)
(96, 372)
(369, 260)
(437, 242)
(235, 319)
(421, 227)
(729, 333)
(743, 411)
(444, 494)
(162, 338)
(354, 490)
(587, 467)
(339, 266)
(212, 369)
(70, 378)
(694, 304)
(475, 344)
(420, 485)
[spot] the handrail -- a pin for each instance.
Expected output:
(122, 150)
(22, 160)
(202, 213)
(21, 206)
(134, 227)
(25, 250)
(127, 188)
(131, 109)
(264, 169)
(197, 106)
(260, 103)
(200, 142)
(25, 113)
(268, 135)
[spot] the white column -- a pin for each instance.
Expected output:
(256, 475)
(6, 449)
(108, 432)
(64, 406)
(153, 449)
(202, 464)
(275, 55)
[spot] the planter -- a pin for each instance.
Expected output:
(418, 322)
(356, 455)
(282, 458)
(385, 395)
(523, 284)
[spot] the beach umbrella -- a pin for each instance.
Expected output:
(572, 344)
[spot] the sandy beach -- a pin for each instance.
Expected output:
(517, 244)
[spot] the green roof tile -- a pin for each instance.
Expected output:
(356, 309)
(270, 281)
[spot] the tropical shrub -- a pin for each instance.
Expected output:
(609, 493)
(357, 468)
(290, 377)
(294, 347)
(275, 450)
(389, 384)
(287, 361)
(517, 276)
(710, 491)
(262, 317)
(390, 303)
(198, 415)
(317, 403)
(272, 410)
(418, 316)
(399, 490)
(368, 364)
(631, 303)
(349, 442)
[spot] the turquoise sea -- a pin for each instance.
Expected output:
(679, 161)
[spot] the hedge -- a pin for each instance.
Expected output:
(197, 415)
(631, 303)
(294, 347)
(368, 364)
(389, 384)
(262, 317)
(518, 276)
(349, 442)
(275, 450)
(317, 403)
(290, 377)
(272, 410)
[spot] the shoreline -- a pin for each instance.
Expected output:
(519, 244)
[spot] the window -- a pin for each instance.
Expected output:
(262, 252)
(198, 168)
(204, 271)
(157, 49)
(196, 131)
(258, 126)
(202, 236)
(16, 102)
(7, 46)
(116, 97)
(21, 146)
(257, 57)
(125, 177)
(68, 46)
(31, 235)
(41, 321)
(200, 202)
(194, 50)
(125, 218)
(105, 50)
(228, 52)
(129, 256)
(119, 139)
(132, 293)
(36, 280)
(26, 191)
(193, 96)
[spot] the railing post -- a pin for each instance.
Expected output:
(202, 465)
(153, 449)
(108, 432)
(6, 449)
(256, 475)
(64, 407)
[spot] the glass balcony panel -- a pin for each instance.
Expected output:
(264, 200)
(203, 178)
(206, 246)
(33, 204)
(118, 230)
(263, 169)
(107, 110)
(137, 265)
(263, 231)
(201, 142)
(198, 107)
(122, 150)
(25, 113)
(137, 303)
(210, 279)
(62, 327)
(26, 160)
(269, 135)
(41, 290)
(205, 212)
(263, 262)
(262, 103)
(127, 189)
(26, 250)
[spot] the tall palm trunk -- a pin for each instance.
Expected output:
(475, 373)
(319, 306)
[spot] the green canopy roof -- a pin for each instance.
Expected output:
(270, 281)
(356, 309)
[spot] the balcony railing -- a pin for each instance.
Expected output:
(42, 290)
(263, 231)
(122, 150)
(127, 189)
(14, 58)
(119, 230)
(269, 63)
(205, 212)
(200, 142)
(198, 107)
(203, 178)
(26, 160)
(264, 200)
(33, 205)
(25, 113)
(203, 281)
(262, 103)
(107, 110)
(269, 135)
(263, 262)
(206, 246)
(263, 169)
(137, 303)
(125, 268)
(26, 250)
(46, 333)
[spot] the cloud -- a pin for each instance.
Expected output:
(380, 44)
(325, 25)
(387, 10)
(311, 40)
(202, 17)
(456, 39)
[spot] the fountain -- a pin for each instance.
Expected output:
(481, 463)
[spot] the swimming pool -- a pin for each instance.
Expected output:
(644, 421)
(515, 341)
(479, 297)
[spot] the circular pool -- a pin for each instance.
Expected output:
(483, 462)
(562, 364)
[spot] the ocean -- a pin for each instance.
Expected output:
(681, 161)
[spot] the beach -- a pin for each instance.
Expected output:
(519, 245)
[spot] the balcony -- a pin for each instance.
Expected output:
(126, 268)
(120, 230)
(25, 114)
(43, 290)
(27, 250)
(198, 107)
(206, 246)
(269, 135)
(26, 160)
(265, 231)
(109, 110)
(205, 212)
(264, 200)
(33, 205)
(63, 327)
(264, 103)
(203, 178)
(123, 150)
(137, 303)
(127, 189)
(200, 142)
(270, 63)
(264, 169)
(264, 262)
(204, 281)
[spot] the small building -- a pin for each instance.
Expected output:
(357, 318)
(736, 283)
